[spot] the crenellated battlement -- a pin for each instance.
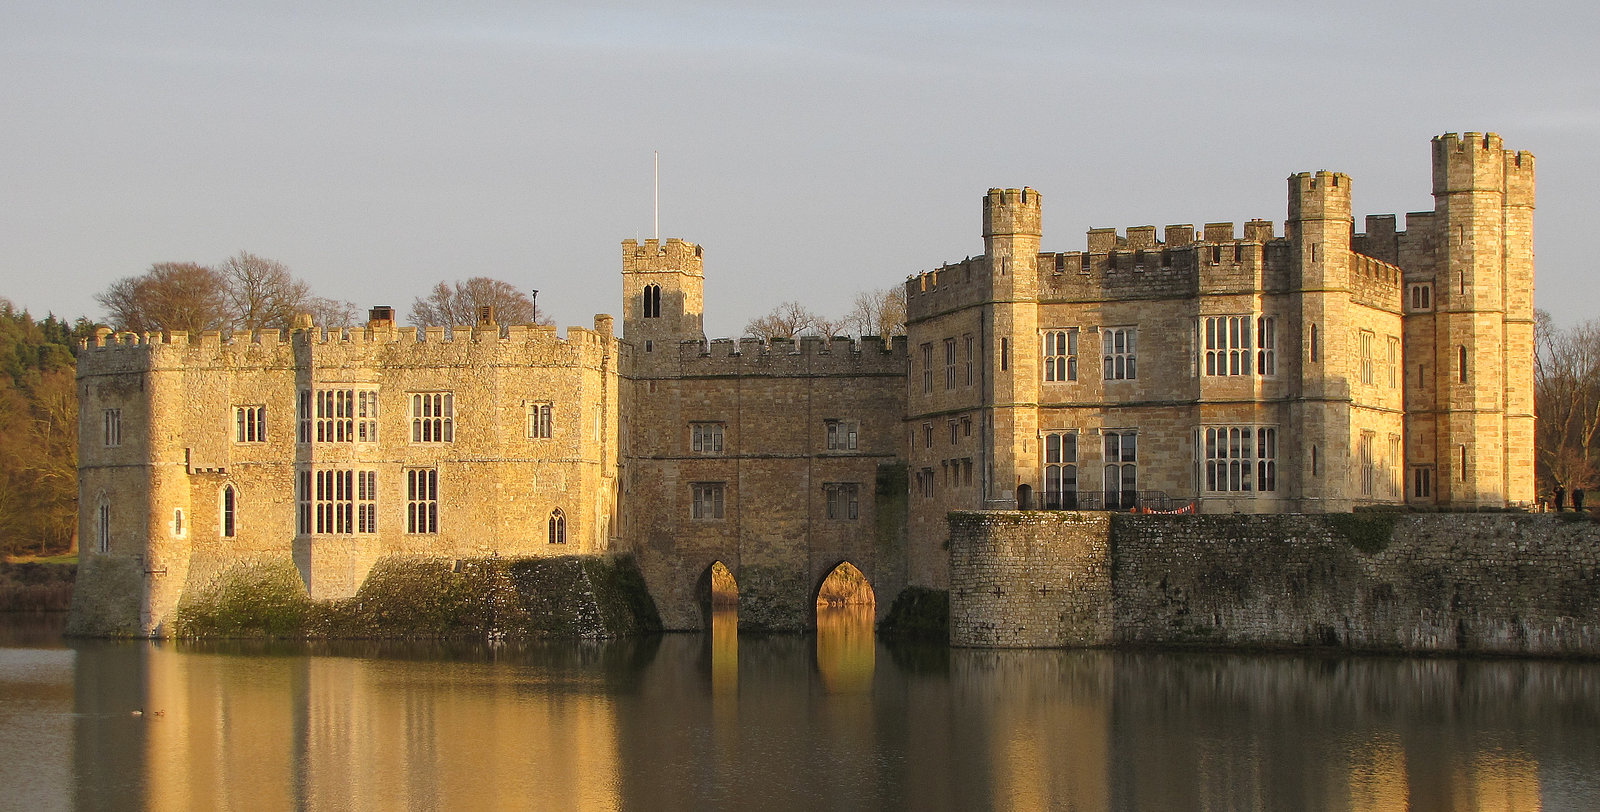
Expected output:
(809, 356)
(1012, 211)
(378, 346)
(657, 256)
(1320, 195)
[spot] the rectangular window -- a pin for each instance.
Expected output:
(339, 415)
(705, 438)
(303, 419)
(102, 528)
(1120, 353)
(707, 500)
(1061, 355)
(842, 435)
(1121, 481)
(955, 431)
(1061, 471)
(302, 500)
(1395, 488)
(1422, 483)
(249, 424)
(1229, 345)
(966, 426)
(1005, 354)
(1266, 345)
(338, 502)
(422, 500)
(1241, 459)
(432, 417)
(1421, 296)
(843, 500)
(113, 428)
(967, 340)
(539, 421)
(927, 435)
(1392, 362)
(966, 472)
(925, 483)
(949, 363)
(1366, 357)
(1368, 464)
(927, 368)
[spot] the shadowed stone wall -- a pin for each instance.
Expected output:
(1509, 584)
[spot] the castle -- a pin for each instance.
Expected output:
(1312, 370)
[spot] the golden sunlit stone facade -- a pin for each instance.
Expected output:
(1307, 369)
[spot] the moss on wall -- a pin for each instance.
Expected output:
(919, 613)
(435, 598)
(1370, 532)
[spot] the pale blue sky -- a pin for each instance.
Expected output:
(814, 149)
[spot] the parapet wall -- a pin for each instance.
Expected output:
(404, 346)
(811, 356)
(1456, 583)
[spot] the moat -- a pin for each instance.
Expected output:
(836, 719)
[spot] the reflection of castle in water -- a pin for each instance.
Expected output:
(638, 724)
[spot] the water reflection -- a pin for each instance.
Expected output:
(846, 650)
(785, 721)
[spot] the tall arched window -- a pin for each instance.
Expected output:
(558, 527)
(228, 498)
(102, 527)
(652, 301)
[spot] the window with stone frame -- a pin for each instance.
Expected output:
(1366, 462)
(558, 527)
(433, 417)
(1229, 345)
(539, 421)
(1367, 366)
(1061, 470)
(102, 527)
(336, 502)
(1392, 362)
(705, 438)
(1120, 352)
(843, 500)
(842, 434)
(1061, 355)
(422, 501)
(966, 341)
(227, 513)
(927, 368)
(949, 363)
(1422, 482)
(1240, 459)
(250, 424)
(707, 501)
(338, 415)
(1121, 475)
(112, 434)
(1394, 487)
(925, 483)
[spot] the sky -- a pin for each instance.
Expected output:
(815, 150)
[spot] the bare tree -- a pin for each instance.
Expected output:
(170, 297)
(878, 312)
(458, 304)
(788, 320)
(1566, 391)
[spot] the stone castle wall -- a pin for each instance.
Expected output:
(166, 484)
(772, 405)
(1477, 583)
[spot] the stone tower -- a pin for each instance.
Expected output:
(1319, 229)
(1012, 226)
(1480, 374)
(663, 296)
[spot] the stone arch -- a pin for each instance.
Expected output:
(717, 588)
(843, 584)
(558, 527)
(1024, 497)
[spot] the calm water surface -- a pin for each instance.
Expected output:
(834, 720)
